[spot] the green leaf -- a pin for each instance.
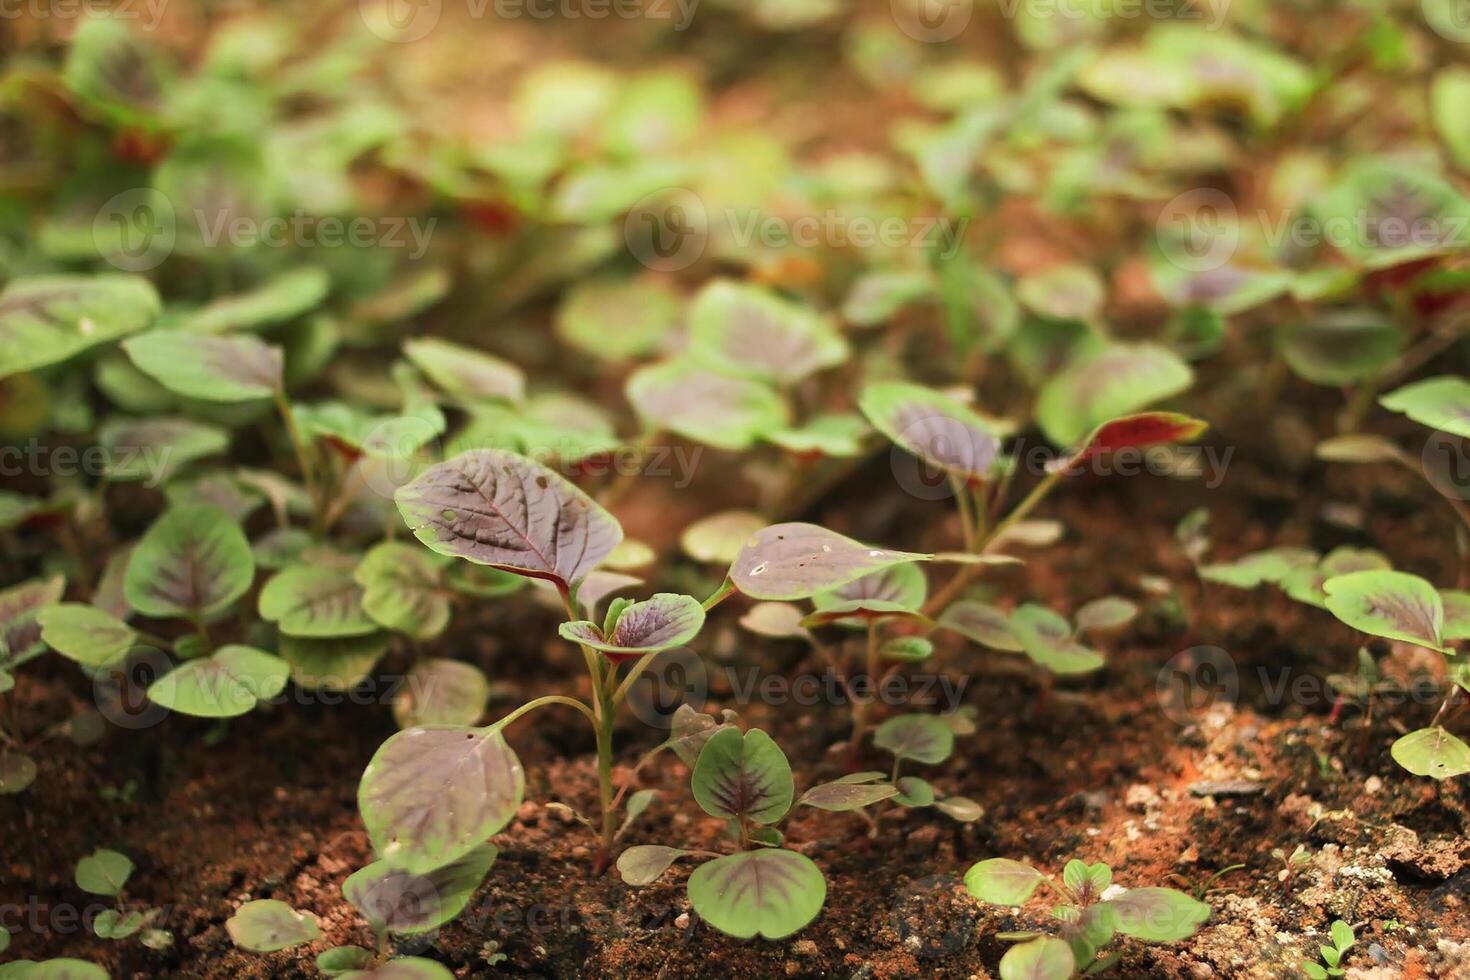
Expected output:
(403, 589)
(1398, 213)
(266, 925)
(906, 649)
(960, 808)
(103, 872)
(235, 368)
(898, 590)
(499, 509)
(1456, 613)
(914, 792)
(743, 777)
(1432, 752)
(1441, 403)
(983, 623)
(1342, 935)
(718, 538)
(317, 601)
(1046, 637)
(336, 663)
(934, 427)
(1394, 605)
(193, 562)
(1107, 613)
(343, 959)
(923, 738)
(47, 319)
(20, 633)
(642, 865)
(62, 968)
(658, 623)
(466, 375)
(1002, 881)
(154, 449)
(1360, 448)
(224, 685)
(1083, 877)
(1448, 97)
(702, 405)
(1108, 382)
(794, 561)
(430, 795)
(281, 298)
(403, 903)
(877, 296)
(1046, 958)
(1063, 292)
(769, 892)
(112, 924)
(841, 795)
(1341, 348)
(1252, 570)
(1314, 971)
(17, 771)
(115, 74)
(839, 436)
(404, 968)
(618, 319)
(89, 636)
(778, 620)
(388, 436)
(1304, 583)
(750, 331)
(1158, 915)
(438, 691)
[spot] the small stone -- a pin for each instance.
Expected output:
(804, 947)
(1139, 796)
(682, 922)
(581, 853)
(1372, 785)
(527, 811)
(1226, 787)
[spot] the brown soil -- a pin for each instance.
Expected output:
(1098, 770)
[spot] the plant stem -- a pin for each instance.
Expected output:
(967, 519)
(860, 708)
(602, 713)
(303, 460)
(724, 592)
(542, 702)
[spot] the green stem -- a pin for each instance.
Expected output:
(542, 702)
(303, 460)
(1025, 507)
(604, 780)
(724, 592)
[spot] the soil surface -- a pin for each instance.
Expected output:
(1109, 769)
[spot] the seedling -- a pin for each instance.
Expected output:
(431, 795)
(920, 738)
(1091, 913)
(1343, 938)
(763, 889)
(1291, 865)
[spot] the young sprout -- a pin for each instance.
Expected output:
(431, 795)
(1343, 937)
(1091, 913)
(763, 889)
(1291, 865)
(1406, 608)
